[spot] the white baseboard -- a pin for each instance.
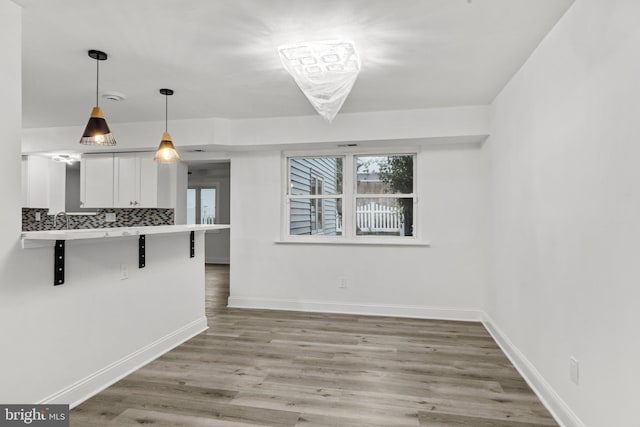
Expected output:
(82, 390)
(216, 260)
(419, 312)
(547, 395)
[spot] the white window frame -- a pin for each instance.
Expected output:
(319, 204)
(357, 195)
(348, 197)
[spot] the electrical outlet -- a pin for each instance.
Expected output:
(38, 216)
(124, 273)
(342, 283)
(574, 370)
(110, 217)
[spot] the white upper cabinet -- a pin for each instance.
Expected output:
(148, 180)
(25, 182)
(135, 181)
(125, 180)
(96, 181)
(43, 183)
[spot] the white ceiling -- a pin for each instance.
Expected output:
(221, 56)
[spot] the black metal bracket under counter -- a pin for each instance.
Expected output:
(58, 263)
(141, 251)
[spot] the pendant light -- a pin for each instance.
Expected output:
(97, 131)
(166, 151)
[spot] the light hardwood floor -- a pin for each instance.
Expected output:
(277, 368)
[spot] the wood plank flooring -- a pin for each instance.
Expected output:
(281, 369)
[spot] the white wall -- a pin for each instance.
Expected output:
(54, 337)
(564, 151)
(444, 280)
(180, 210)
(10, 129)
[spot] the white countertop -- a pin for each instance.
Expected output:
(101, 233)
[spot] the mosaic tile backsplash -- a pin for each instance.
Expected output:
(124, 218)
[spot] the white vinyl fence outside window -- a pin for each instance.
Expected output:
(378, 219)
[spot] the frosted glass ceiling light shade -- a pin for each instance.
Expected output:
(97, 131)
(166, 152)
(325, 71)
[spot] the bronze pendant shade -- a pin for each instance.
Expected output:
(97, 131)
(166, 150)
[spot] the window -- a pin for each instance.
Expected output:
(207, 206)
(351, 195)
(314, 195)
(384, 196)
(201, 205)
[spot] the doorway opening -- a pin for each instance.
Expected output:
(208, 202)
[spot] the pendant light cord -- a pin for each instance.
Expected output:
(97, 80)
(166, 112)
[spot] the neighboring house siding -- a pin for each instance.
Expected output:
(370, 183)
(302, 172)
(300, 217)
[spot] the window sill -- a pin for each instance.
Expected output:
(353, 242)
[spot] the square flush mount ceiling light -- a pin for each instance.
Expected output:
(325, 71)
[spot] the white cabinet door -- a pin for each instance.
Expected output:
(25, 181)
(43, 183)
(135, 181)
(126, 182)
(37, 175)
(148, 179)
(96, 181)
